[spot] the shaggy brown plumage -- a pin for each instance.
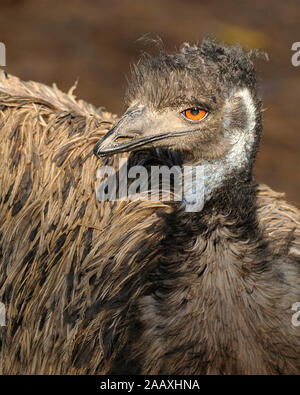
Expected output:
(118, 287)
(68, 267)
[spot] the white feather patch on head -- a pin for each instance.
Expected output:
(241, 139)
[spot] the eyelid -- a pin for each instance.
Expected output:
(200, 105)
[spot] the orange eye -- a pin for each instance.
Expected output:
(195, 113)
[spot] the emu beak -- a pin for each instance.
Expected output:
(136, 128)
(124, 136)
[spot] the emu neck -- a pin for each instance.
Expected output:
(237, 161)
(233, 203)
(195, 287)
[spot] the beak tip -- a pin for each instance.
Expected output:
(96, 150)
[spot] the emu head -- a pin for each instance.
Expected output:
(201, 101)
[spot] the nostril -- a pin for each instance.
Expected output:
(119, 139)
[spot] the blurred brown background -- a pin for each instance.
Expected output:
(96, 40)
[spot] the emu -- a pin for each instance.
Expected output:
(143, 286)
(220, 295)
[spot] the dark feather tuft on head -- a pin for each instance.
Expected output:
(215, 67)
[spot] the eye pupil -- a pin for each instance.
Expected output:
(194, 111)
